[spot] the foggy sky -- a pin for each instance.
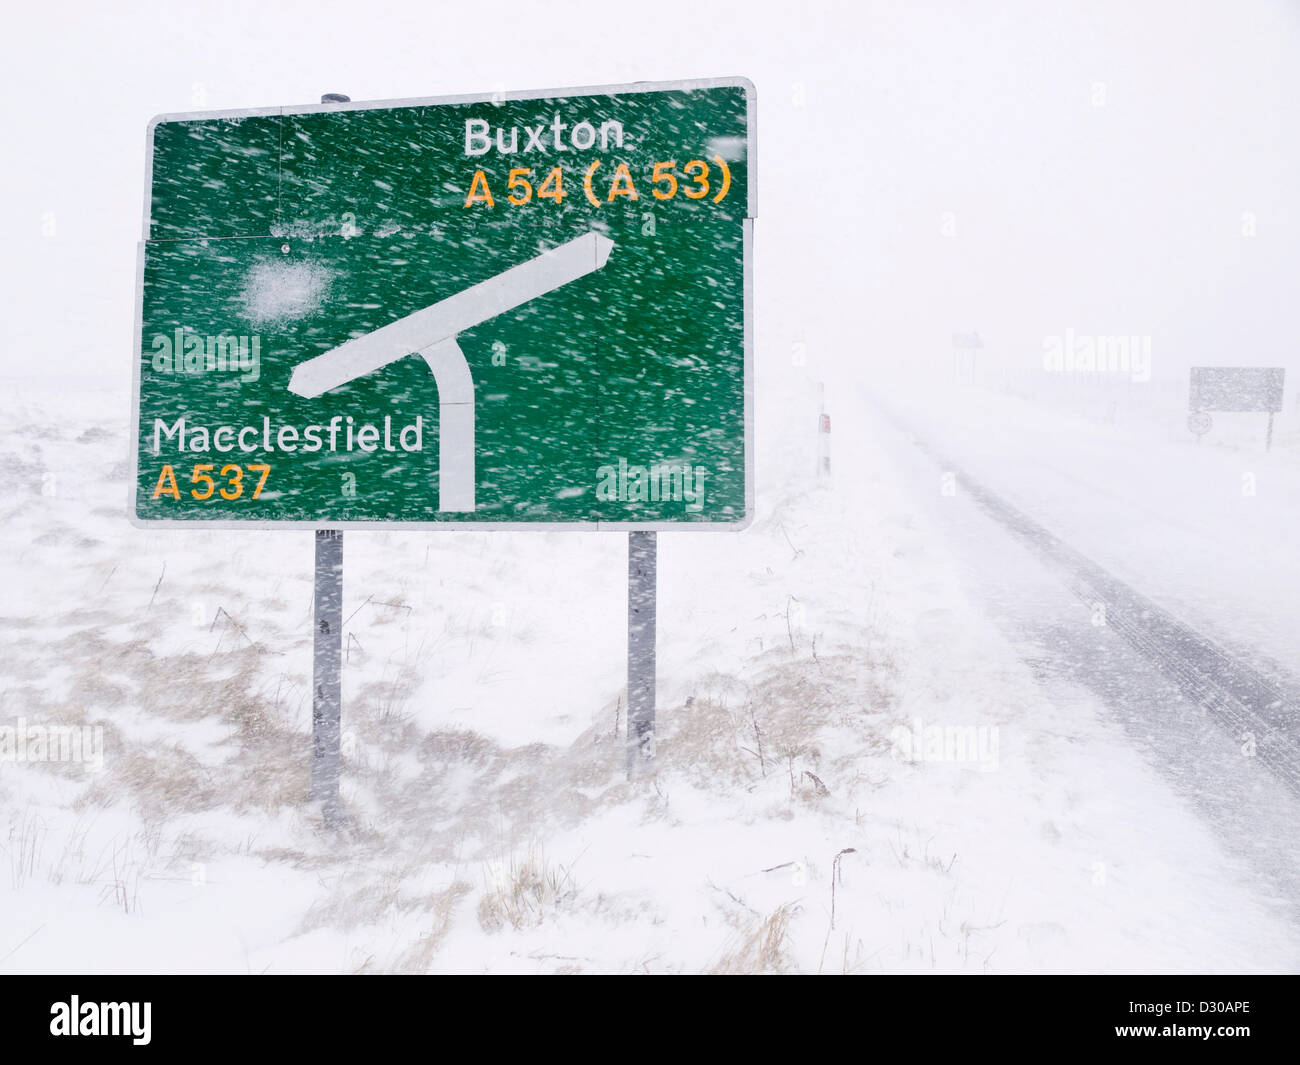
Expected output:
(1092, 161)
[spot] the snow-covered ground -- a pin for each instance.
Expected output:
(490, 824)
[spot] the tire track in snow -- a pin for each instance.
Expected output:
(1243, 699)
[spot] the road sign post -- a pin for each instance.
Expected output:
(1238, 389)
(518, 311)
(327, 679)
(642, 628)
(962, 343)
(327, 656)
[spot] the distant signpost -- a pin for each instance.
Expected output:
(1237, 389)
(964, 344)
(529, 310)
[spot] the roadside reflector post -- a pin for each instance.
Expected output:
(642, 566)
(823, 434)
(327, 664)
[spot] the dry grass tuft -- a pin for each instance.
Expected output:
(779, 718)
(524, 892)
(416, 958)
(763, 947)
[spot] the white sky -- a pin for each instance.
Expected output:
(874, 120)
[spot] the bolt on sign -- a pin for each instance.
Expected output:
(530, 309)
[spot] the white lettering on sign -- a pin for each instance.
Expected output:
(481, 136)
(339, 434)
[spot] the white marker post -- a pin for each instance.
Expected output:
(823, 434)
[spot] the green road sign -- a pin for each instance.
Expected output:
(532, 309)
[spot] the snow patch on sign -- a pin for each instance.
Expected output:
(730, 148)
(277, 291)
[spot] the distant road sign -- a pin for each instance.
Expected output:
(571, 270)
(970, 341)
(1199, 422)
(1237, 388)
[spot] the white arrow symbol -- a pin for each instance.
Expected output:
(432, 332)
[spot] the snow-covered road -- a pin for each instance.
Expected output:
(1088, 483)
(1201, 530)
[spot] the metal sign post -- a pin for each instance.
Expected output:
(642, 572)
(327, 680)
(327, 655)
(965, 342)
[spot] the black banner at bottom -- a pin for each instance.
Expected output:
(303, 1014)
